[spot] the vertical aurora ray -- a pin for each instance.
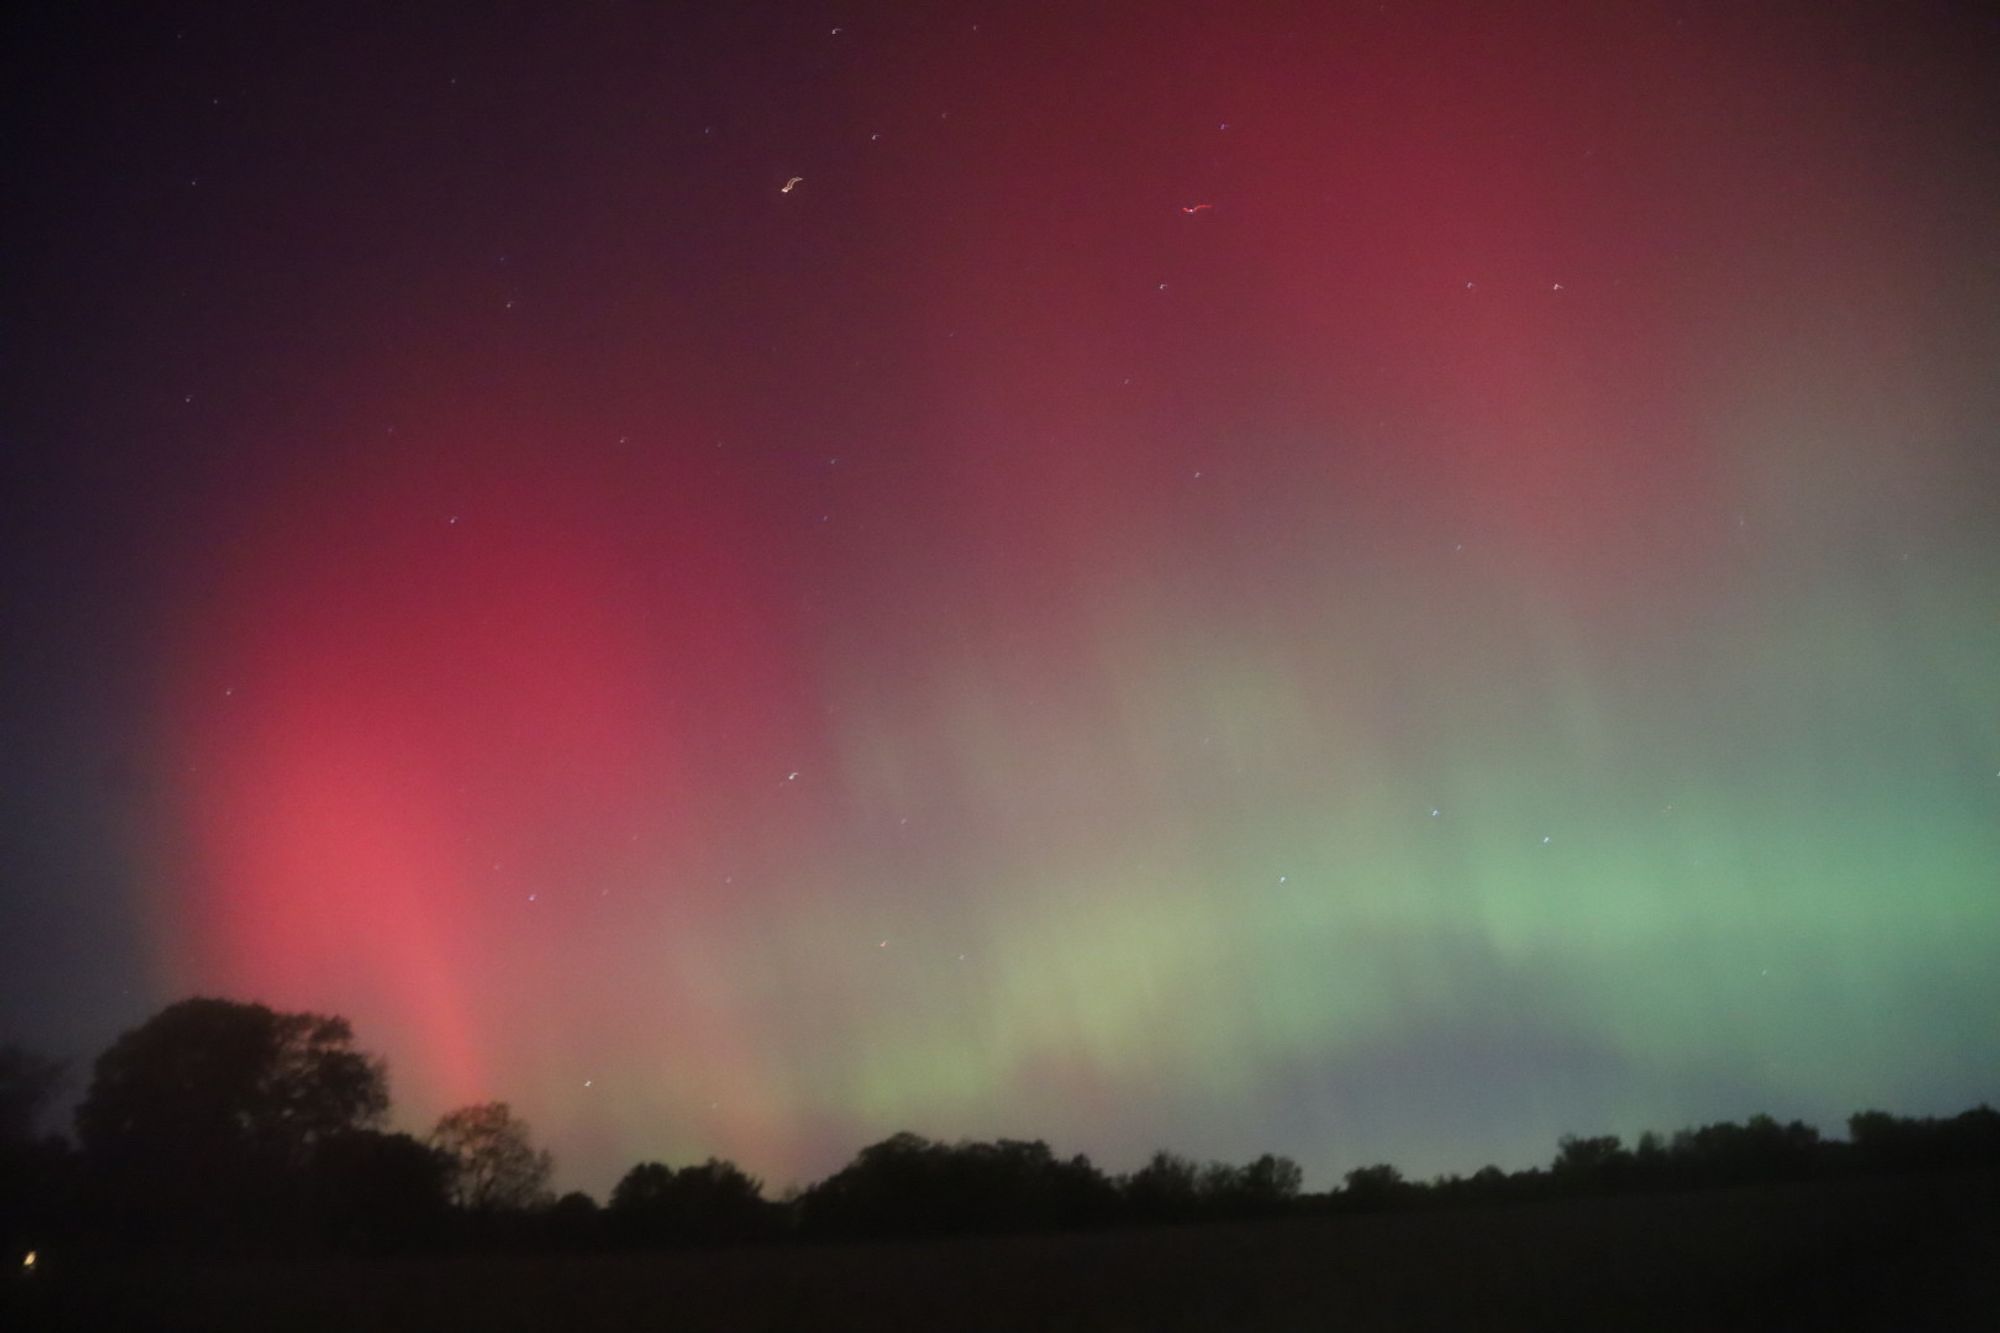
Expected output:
(1487, 632)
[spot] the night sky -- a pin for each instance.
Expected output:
(1375, 582)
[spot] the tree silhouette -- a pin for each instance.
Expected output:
(1591, 1163)
(495, 1167)
(27, 1081)
(716, 1201)
(1164, 1188)
(572, 1222)
(1271, 1179)
(908, 1185)
(1375, 1187)
(210, 1111)
(1727, 1153)
(37, 1174)
(379, 1192)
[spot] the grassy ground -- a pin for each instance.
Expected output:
(1886, 1253)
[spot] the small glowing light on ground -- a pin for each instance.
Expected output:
(28, 1262)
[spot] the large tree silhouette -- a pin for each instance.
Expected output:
(495, 1165)
(213, 1109)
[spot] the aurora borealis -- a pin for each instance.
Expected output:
(1369, 582)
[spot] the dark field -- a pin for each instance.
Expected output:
(1889, 1253)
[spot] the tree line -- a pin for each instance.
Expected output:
(218, 1125)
